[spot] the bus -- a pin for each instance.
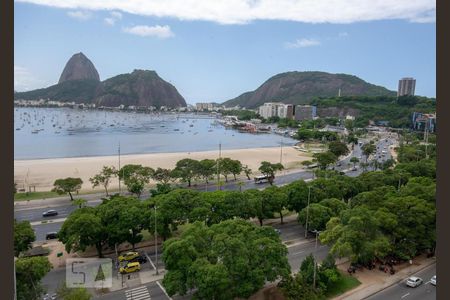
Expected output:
(262, 179)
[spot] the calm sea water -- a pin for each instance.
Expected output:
(61, 132)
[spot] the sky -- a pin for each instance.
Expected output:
(217, 50)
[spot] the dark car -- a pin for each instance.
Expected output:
(51, 235)
(140, 259)
(50, 213)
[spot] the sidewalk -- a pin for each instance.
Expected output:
(373, 281)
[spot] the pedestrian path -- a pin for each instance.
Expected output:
(139, 293)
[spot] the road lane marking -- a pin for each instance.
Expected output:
(60, 220)
(427, 282)
(150, 260)
(140, 293)
(295, 253)
(163, 289)
(405, 295)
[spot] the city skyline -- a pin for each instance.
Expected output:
(216, 60)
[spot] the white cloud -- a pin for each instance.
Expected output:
(24, 80)
(80, 15)
(244, 11)
(302, 43)
(157, 31)
(113, 18)
(343, 34)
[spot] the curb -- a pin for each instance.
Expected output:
(397, 281)
(383, 287)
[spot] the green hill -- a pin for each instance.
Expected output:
(302, 87)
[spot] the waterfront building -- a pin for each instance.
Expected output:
(305, 112)
(269, 109)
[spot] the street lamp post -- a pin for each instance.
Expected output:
(307, 211)
(156, 247)
(315, 262)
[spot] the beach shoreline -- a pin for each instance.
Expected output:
(39, 174)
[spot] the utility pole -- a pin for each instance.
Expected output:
(426, 139)
(307, 211)
(315, 262)
(281, 150)
(218, 161)
(15, 285)
(119, 171)
(156, 246)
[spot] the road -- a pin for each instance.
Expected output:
(33, 213)
(425, 291)
(147, 291)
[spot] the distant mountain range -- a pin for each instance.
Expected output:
(80, 83)
(303, 87)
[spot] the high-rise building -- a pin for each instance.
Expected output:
(305, 112)
(406, 87)
(286, 111)
(269, 109)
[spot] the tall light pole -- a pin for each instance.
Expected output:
(15, 285)
(218, 161)
(281, 150)
(315, 262)
(156, 246)
(307, 211)
(119, 171)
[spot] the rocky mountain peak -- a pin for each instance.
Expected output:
(79, 67)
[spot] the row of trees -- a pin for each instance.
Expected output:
(395, 216)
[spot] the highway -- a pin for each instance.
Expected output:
(425, 291)
(42, 225)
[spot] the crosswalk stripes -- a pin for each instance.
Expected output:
(139, 293)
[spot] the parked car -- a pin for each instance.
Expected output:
(130, 268)
(140, 259)
(50, 297)
(433, 280)
(277, 230)
(50, 213)
(128, 256)
(414, 281)
(51, 235)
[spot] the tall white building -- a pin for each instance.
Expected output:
(406, 87)
(269, 109)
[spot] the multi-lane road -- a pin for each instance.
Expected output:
(42, 225)
(425, 291)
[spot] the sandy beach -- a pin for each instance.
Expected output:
(41, 173)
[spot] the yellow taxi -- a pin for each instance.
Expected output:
(130, 268)
(128, 256)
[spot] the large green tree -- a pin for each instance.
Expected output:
(84, 228)
(187, 169)
(123, 218)
(23, 236)
(227, 260)
(276, 199)
(324, 159)
(338, 148)
(356, 234)
(207, 168)
(67, 185)
(29, 272)
(268, 169)
(135, 177)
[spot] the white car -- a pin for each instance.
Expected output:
(414, 281)
(433, 280)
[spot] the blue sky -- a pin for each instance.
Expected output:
(216, 51)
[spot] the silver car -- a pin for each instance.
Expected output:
(414, 281)
(433, 280)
